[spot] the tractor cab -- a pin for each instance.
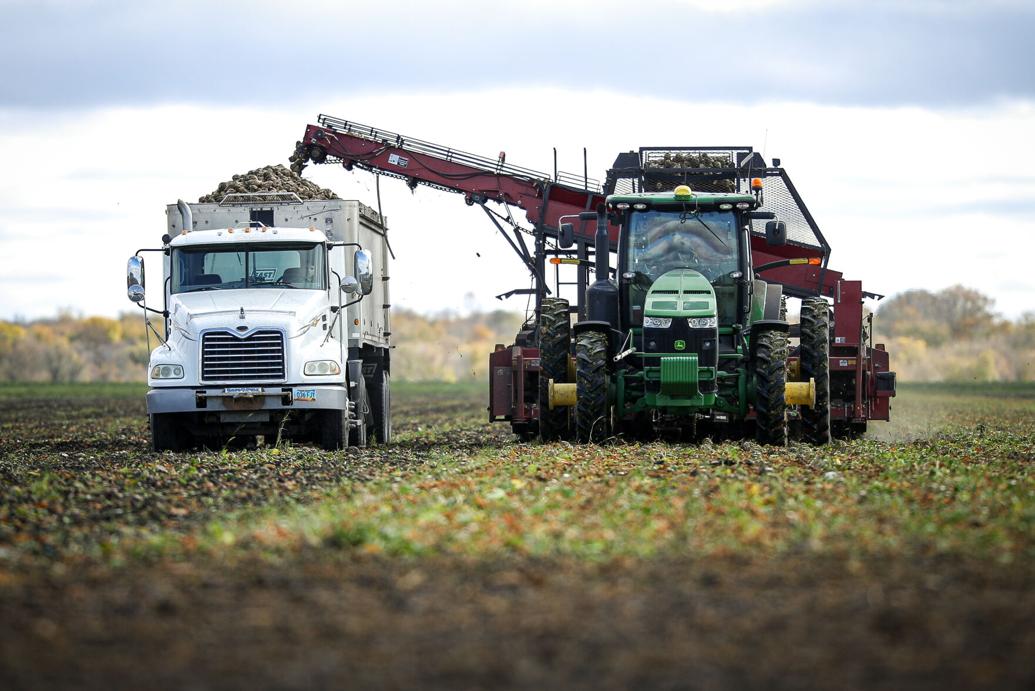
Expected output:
(683, 255)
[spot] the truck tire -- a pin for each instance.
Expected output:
(592, 409)
(554, 345)
(334, 430)
(381, 405)
(815, 364)
(770, 366)
(166, 433)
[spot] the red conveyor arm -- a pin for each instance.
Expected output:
(481, 179)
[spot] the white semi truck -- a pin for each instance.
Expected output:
(276, 323)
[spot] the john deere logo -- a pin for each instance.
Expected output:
(680, 345)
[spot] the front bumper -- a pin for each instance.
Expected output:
(251, 398)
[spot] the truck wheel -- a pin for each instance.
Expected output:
(592, 410)
(770, 384)
(815, 364)
(554, 344)
(334, 429)
(381, 406)
(166, 434)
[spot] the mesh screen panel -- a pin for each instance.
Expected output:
(779, 199)
(714, 170)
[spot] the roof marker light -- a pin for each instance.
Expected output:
(640, 206)
(725, 207)
(743, 205)
(622, 206)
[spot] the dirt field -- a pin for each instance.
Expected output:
(459, 559)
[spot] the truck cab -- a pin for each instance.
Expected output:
(276, 327)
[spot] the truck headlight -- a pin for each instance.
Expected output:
(657, 322)
(319, 368)
(703, 322)
(167, 372)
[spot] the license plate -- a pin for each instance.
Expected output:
(242, 391)
(304, 394)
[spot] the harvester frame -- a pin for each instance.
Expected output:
(565, 230)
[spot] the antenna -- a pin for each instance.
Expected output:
(585, 170)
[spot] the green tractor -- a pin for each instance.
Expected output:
(688, 340)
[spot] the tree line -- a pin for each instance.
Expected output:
(955, 335)
(71, 347)
(948, 335)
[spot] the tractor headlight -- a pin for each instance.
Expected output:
(657, 322)
(321, 368)
(167, 372)
(703, 322)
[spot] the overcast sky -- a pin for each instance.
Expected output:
(907, 126)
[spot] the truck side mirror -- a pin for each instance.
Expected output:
(363, 265)
(566, 238)
(135, 279)
(776, 233)
(349, 285)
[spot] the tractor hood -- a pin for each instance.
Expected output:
(681, 293)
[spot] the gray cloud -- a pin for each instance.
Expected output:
(74, 55)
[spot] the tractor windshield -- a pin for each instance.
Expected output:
(660, 241)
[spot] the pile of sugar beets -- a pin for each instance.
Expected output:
(682, 161)
(268, 179)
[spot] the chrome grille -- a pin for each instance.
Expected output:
(225, 357)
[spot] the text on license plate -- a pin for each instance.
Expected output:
(242, 390)
(304, 394)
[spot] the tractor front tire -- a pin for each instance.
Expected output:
(815, 364)
(592, 409)
(554, 346)
(770, 388)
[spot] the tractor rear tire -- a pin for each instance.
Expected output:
(770, 388)
(815, 364)
(592, 409)
(554, 347)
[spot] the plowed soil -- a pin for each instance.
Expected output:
(457, 558)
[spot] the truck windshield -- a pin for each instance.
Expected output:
(235, 266)
(660, 241)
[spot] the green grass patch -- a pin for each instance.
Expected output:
(952, 474)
